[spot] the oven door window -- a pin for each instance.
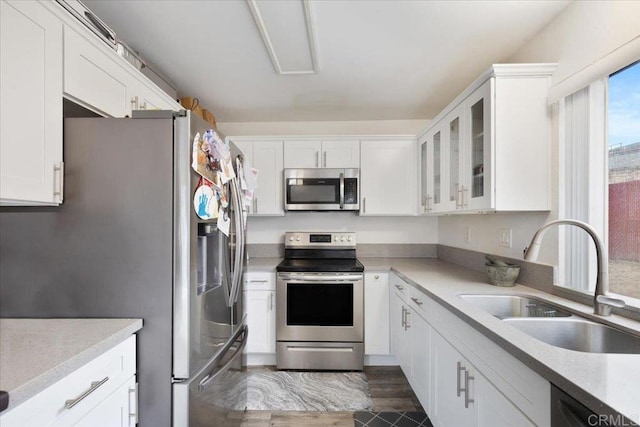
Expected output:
(313, 191)
(319, 304)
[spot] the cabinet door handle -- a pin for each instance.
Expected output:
(134, 103)
(416, 300)
(364, 205)
(271, 302)
(376, 277)
(58, 170)
(465, 196)
(458, 387)
(133, 404)
(317, 158)
(324, 159)
(467, 378)
(255, 205)
(403, 318)
(406, 319)
(94, 386)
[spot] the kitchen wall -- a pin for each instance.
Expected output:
(369, 229)
(588, 40)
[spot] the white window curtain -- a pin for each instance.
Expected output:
(583, 182)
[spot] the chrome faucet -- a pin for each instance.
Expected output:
(602, 304)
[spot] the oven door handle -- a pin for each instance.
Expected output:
(321, 278)
(341, 190)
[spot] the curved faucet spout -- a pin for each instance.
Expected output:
(601, 302)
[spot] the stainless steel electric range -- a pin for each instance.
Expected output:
(320, 300)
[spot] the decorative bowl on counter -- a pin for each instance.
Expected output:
(502, 275)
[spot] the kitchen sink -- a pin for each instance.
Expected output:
(508, 306)
(578, 334)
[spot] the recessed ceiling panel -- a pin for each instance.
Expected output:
(287, 30)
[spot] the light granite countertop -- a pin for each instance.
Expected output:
(35, 353)
(608, 384)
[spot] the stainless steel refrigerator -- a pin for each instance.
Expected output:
(128, 243)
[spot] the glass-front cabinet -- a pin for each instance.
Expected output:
(477, 165)
(475, 152)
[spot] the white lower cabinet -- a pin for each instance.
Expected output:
(260, 308)
(376, 313)
(101, 393)
(459, 375)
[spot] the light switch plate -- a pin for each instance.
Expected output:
(505, 237)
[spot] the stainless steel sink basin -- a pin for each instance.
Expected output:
(578, 334)
(507, 306)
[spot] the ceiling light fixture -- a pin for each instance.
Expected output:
(288, 33)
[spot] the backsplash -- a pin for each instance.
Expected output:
(363, 250)
(539, 276)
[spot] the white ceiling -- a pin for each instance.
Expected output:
(377, 60)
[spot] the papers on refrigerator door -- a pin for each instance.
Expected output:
(224, 222)
(205, 200)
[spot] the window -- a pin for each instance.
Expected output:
(600, 181)
(624, 181)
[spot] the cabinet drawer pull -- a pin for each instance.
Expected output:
(324, 159)
(467, 378)
(416, 300)
(376, 277)
(94, 386)
(400, 288)
(133, 403)
(59, 190)
(458, 387)
(317, 159)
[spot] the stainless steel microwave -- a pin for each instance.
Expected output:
(321, 189)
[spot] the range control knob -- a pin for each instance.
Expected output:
(297, 238)
(342, 239)
(349, 238)
(335, 238)
(291, 238)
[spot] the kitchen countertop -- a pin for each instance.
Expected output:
(608, 384)
(35, 353)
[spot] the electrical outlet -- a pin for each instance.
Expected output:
(505, 237)
(467, 234)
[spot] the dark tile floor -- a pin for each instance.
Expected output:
(391, 419)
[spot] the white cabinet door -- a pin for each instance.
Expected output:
(420, 338)
(341, 154)
(453, 143)
(261, 316)
(376, 313)
(117, 410)
(448, 386)
(302, 153)
(477, 162)
(494, 409)
(94, 79)
(267, 157)
(388, 177)
(30, 104)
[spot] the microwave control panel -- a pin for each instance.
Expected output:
(350, 191)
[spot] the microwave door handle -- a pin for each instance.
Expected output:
(341, 190)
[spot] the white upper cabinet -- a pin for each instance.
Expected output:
(316, 153)
(388, 179)
(31, 170)
(479, 150)
(267, 156)
(93, 79)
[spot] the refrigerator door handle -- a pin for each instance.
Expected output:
(239, 248)
(211, 376)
